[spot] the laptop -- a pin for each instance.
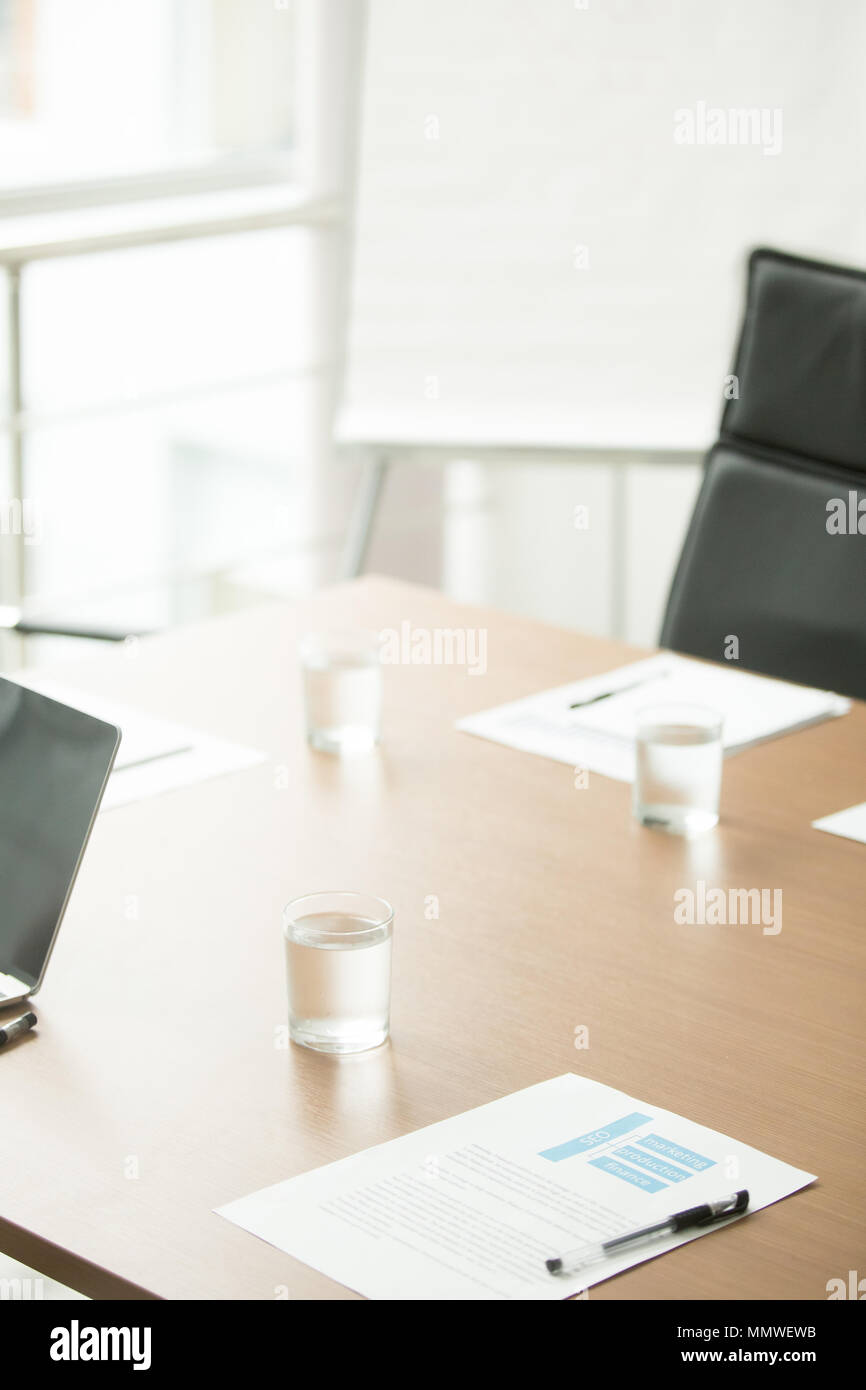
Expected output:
(54, 765)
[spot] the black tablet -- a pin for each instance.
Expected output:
(54, 764)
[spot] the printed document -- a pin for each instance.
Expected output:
(599, 734)
(155, 755)
(850, 823)
(472, 1207)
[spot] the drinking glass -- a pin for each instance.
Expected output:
(342, 677)
(338, 970)
(678, 776)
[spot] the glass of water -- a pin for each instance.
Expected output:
(338, 970)
(342, 675)
(678, 777)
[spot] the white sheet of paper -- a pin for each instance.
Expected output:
(206, 758)
(850, 823)
(155, 755)
(600, 737)
(471, 1208)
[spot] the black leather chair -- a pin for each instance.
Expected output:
(775, 554)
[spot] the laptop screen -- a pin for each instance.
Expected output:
(54, 763)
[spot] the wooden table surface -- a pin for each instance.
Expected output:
(155, 1089)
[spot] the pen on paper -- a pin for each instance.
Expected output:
(156, 757)
(619, 690)
(703, 1215)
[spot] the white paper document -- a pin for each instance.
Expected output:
(850, 823)
(600, 736)
(472, 1207)
(155, 755)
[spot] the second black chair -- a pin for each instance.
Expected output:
(775, 554)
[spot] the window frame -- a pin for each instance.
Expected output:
(219, 174)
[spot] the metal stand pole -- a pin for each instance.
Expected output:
(361, 523)
(14, 573)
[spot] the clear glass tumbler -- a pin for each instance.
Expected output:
(338, 970)
(678, 776)
(342, 677)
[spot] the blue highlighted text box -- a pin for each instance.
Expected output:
(630, 1175)
(595, 1137)
(669, 1171)
(666, 1149)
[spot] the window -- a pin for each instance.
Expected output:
(174, 396)
(113, 90)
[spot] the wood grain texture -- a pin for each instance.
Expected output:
(157, 1022)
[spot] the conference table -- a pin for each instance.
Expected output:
(159, 1084)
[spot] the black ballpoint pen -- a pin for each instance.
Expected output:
(680, 1221)
(619, 690)
(16, 1026)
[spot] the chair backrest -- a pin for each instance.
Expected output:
(775, 555)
